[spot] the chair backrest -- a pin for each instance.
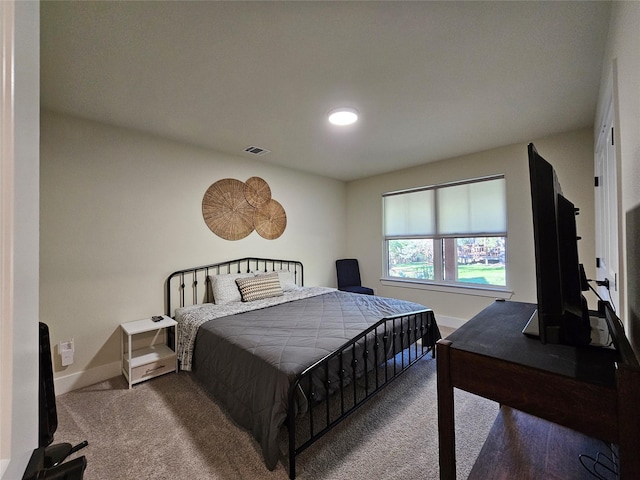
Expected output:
(47, 412)
(348, 272)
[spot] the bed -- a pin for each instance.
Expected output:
(273, 352)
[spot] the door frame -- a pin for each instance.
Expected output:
(606, 221)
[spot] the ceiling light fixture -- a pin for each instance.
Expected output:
(343, 116)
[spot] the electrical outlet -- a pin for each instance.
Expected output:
(66, 350)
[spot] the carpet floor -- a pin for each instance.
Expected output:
(169, 428)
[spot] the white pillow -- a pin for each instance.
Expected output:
(225, 289)
(287, 280)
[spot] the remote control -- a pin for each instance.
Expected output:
(156, 318)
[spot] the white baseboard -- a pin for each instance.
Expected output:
(77, 380)
(451, 322)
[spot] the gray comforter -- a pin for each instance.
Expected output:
(248, 361)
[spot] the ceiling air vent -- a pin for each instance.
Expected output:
(253, 150)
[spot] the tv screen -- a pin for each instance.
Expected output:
(562, 315)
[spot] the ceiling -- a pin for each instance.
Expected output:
(431, 80)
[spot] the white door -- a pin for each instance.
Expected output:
(606, 203)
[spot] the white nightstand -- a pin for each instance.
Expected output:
(153, 358)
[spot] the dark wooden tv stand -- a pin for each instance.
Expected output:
(593, 391)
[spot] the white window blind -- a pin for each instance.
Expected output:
(410, 214)
(477, 207)
(472, 208)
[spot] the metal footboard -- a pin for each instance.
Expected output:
(343, 381)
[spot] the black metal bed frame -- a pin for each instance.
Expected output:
(199, 274)
(410, 337)
(363, 366)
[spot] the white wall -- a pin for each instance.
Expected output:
(22, 388)
(622, 71)
(121, 210)
(572, 156)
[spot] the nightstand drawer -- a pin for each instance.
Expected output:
(150, 362)
(150, 370)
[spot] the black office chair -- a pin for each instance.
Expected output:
(349, 280)
(47, 412)
(38, 470)
(71, 470)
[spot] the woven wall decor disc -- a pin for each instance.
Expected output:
(270, 220)
(257, 191)
(226, 210)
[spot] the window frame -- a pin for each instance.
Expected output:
(439, 283)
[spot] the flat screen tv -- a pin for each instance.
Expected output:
(562, 315)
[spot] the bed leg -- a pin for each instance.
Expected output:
(432, 336)
(292, 445)
(432, 340)
(292, 467)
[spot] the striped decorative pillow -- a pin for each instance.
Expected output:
(257, 288)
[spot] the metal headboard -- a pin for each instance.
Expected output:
(179, 283)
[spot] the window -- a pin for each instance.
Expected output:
(451, 234)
